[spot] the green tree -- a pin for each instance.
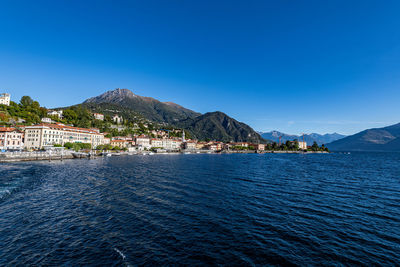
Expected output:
(70, 115)
(26, 101)
(315, 146)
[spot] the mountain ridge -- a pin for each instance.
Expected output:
(374, 139)
(219, 126)
(211, 125)
(309, 138)
(149, 107)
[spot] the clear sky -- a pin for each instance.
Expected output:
(293, 66)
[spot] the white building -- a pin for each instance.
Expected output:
(117, 119)
(303, 145)
(155, 142)
(143, 142)
(46, 120)
(98, 116)
(37, 136)
(5, 99)
(56, 113)
(172, 144)
(190, 145)
(11, 138)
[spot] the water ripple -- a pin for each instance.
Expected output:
(202, 210)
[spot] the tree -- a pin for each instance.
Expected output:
(68, 145)
(26, 101)
(70, 115)
(76, 147)
(315, 146)
(296, 144)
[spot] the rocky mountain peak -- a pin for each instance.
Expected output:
(115, 95)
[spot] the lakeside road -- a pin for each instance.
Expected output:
(43, 155)
(34, 156)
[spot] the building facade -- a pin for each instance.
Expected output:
(117, 119)
(171, 144)
(5, 99)
(143, 142)
(38, 136)
(46, 120)
(303, 145)
(11, 138)
(56, 113)
(190, 145)
(98, 116)
(155, 142)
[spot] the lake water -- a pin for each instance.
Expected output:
(202, 210)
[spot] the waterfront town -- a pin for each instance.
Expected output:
(50, 134)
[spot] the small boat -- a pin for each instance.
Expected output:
(79, 155)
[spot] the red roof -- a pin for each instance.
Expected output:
(7, 129)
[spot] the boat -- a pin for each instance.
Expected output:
(79, 155)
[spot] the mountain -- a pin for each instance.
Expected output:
(148, 107)
(322, 138)
(309, 138)
(377, 139)
(219, 126)
(212, 125)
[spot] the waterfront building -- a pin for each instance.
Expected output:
(11, 138)
(5, 99)
(38, 136)
(201, 145)
(143, 142)
(258, 146)
(190, 145)
(171, 144)
(98, 116)
(303, 145)
(155, 142)
(55, 113)
(119, 143)
(215, 146)
(243, 144)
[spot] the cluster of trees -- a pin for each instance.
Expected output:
(27, 109)
(86, 146)
(287, 146)
(315, 147)
(77, 146)
(109, 147)
(294, 146)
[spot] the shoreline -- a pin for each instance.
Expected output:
(43, 156)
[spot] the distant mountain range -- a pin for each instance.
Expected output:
(309, 138)
(377, 139)
(208, 126)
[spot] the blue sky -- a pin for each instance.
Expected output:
(293, 66)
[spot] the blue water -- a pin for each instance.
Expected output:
(250, 209)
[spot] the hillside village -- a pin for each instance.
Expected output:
(27, 126)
